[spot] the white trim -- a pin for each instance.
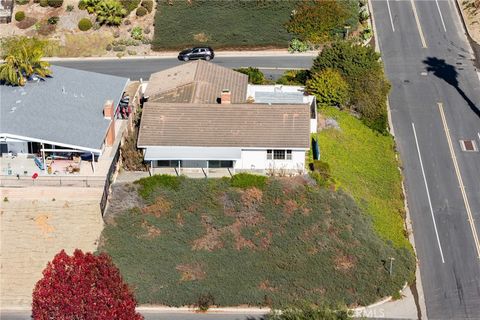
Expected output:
(29, 139)
(243, 148)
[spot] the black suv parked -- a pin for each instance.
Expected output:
(205, 53)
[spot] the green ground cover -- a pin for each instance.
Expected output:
(363, 163)
(277, 242)
(222, 24)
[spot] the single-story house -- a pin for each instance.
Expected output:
(241, 137)
(71, 112)
(200, 115)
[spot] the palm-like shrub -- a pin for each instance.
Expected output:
(88, 5)
(22, 58)
(110, 12)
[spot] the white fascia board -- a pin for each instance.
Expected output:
(29, 139)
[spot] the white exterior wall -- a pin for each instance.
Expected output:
(256, 159)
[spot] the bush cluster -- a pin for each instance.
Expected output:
(148, 185)
(255, 76)
(362, 70)
(43, 3)
(84, 24)
(130, 5)
(53, 20)
(323, 21)
(126, 42)
(109, 12)
(147, 4)
(141, 11)
(137, 33)
(70, 8)
(294, 77)
(119, 48)
(55, 3)
(297, 45)
(247, 180)
(22, 2)
(20, 15)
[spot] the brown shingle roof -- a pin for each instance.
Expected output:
(196, 82)
(223, 125)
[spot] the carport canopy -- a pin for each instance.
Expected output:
(192, 153)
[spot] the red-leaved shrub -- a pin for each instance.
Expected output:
(82, 286)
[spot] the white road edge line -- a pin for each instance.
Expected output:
(441, 16)
(460, 180)
(417, 20)
(390, 14)
(428, 193)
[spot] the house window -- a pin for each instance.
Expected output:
(279, 154)
(269, 155)
(289, 154)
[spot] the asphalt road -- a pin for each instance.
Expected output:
(142, 68)
(426, 72)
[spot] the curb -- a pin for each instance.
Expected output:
(210, 310)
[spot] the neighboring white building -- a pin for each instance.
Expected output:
(281, 94)
(201, 116)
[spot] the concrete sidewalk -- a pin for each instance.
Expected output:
(174, 54)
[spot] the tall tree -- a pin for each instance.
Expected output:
(83, 286)
(22, 58)
(362, 69)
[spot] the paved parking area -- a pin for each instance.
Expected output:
(35, 224)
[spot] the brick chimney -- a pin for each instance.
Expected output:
(226, 97)
(108, 113)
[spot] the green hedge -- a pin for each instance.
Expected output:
(247, 180)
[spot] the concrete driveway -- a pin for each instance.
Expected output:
(35, 224)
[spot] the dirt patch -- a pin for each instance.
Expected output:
(160, 207)
(42, 223)
(191, 272)
(124, 196)
(201, 37)
(212, 238)
(266, 286)
(290, 207)
(151, 231)
(344, 262)
(251, 198)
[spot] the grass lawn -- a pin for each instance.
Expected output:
(283, 242)
(222, 24)
(363, 163)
